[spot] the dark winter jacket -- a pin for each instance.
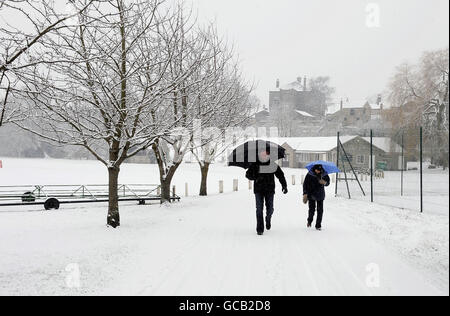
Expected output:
(265, 182)
(313, 188)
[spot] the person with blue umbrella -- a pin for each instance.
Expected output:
(314, 189)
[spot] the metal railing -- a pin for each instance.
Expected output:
(38, 194)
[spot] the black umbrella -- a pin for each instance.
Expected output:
(246, 154)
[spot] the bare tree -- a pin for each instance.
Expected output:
(323, 92)
(23, 25)
(192, 74)
(230, 97)
(221, 101)
(101, 85)
(419, 94)
(434, 68)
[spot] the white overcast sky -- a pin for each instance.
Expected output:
(289, 38)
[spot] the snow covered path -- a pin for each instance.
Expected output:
(215, 251)
(208, 246)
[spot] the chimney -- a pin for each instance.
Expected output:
(342, 104)
(278, 84)
(304, 84)
(379, 99)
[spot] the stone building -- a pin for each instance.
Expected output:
(355, 115)
(297, 96)
(302, 150)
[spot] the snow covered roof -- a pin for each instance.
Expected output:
(326, 144)
(296, 85)
(303, 113)
(347, 105)
(312, 144)
(385, 143)
(263, 112)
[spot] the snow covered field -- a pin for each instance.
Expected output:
(387, 191)
(208, 246)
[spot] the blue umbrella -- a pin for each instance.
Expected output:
(329, 167)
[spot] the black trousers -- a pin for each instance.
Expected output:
(313, 207)
(260, 199)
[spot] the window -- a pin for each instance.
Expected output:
(352, 112)
(376, 117)
(360, 159)
(301, 157)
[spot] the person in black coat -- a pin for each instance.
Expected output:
(314, 193)
(263, 173)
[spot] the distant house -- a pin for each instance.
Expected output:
(304, 116)
(143, 157)
(297, 96)
(354, 115)
(302, 150)
(262, 118)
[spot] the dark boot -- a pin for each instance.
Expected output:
(311, 212)
(319, 215)
(268, 223)
(269, 205)
(259, 213)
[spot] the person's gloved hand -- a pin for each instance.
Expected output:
(305, 198)
(285, 190)
(322, 182)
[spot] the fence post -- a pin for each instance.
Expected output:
(186, 189)
(174, 191)
(235, 185)
(221, 186)
(403, 164)
(293, 179)
(250, 185)
(337, 163)
(421, 170)
(371, 166)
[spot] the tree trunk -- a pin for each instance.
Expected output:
(164, 176)
(166, 193)
(113, 206)
(204, 184)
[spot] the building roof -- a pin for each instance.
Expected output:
(265, 112)
(303, 113)
(296, 85)
(385, 143)
(347, 105)
(312, 144)
(327, 144)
